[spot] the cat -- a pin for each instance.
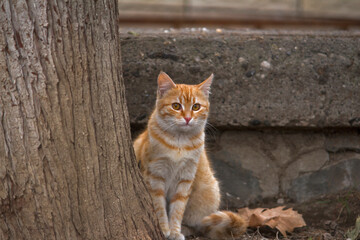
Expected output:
(173, 161)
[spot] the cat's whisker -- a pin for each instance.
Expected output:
(169, 127)
(211, 130)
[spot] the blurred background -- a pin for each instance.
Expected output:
(257, 14)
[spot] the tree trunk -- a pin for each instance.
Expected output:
(67, 168)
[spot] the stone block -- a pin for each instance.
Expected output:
(343, 141)
(242, 152)
(335, 178)
(308, 162)
(311, 79)
(254, 165)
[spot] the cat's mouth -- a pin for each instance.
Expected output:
(186, 125)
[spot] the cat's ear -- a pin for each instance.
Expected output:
(205, 85)
(164, 84)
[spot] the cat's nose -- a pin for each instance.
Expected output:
(187, 119)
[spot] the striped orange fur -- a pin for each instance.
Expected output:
(173, 161)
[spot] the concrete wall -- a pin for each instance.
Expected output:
(286, 105)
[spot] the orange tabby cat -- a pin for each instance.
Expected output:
(175, 166)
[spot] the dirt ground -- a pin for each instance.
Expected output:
(327, 218)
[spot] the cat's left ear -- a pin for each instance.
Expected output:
(205, 85)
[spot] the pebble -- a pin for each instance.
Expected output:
(205, 29)
(241, 59)
(250, 73)
(280, 201)
(254, 122)
(265, 64)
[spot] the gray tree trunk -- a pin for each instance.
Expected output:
(67, 168)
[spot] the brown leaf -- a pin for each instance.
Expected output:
(283, 220)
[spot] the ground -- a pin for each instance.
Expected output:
(327, 218)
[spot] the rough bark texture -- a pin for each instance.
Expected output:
(67, 169)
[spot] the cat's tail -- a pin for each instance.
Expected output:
(223, 225)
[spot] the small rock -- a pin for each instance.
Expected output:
(244, 63)
(250, 73)
(241, 60)
(265, 64)
(322, 55)
(254, 122)
(204, 29)
(280, 201)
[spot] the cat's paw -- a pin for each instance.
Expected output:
(176, 236)
(166, 233)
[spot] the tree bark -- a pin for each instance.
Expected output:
(67, 168)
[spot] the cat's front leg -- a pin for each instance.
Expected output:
(177, 207)
(156, 185)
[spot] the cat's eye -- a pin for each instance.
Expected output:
(196, 107)
(176, 106)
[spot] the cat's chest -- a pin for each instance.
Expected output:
(180, 155)
(176, 150)
(174, 171)
(174, 162)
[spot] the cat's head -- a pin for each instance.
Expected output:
(181, 107)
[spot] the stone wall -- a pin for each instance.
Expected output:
(298, 165)
(285, 106)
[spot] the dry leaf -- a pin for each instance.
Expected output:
(283, 220)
